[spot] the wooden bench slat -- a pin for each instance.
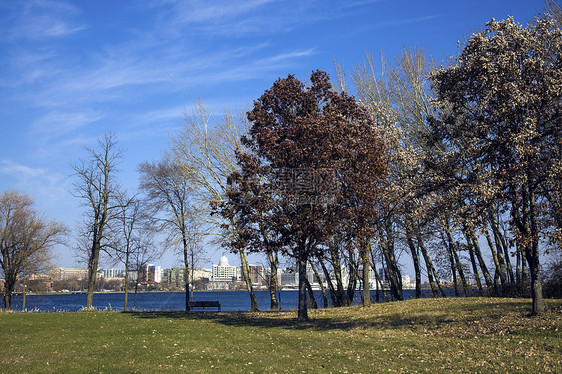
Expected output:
(205, 304)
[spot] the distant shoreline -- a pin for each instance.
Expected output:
(132, 292)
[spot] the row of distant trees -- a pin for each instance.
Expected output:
(424, 161)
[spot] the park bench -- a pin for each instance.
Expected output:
(205, 304)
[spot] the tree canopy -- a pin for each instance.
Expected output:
(313, 162)
(500, 109)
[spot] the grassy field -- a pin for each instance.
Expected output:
(476, 335)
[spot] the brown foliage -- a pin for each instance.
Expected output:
(312, 168)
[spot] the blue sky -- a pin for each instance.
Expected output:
(72, 71)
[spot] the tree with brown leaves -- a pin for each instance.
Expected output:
(317, 159)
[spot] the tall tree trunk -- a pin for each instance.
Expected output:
(333, 296)
(387, 246)
(186, 275)
(524, 272)
(191, 276)
(353, 276)
(23, 291)
(450, 250)
(301, 260)
(500, 237)
(503, 253)
(456, 259)
(136, 292)
(378, 281)
(481, 262)
(461, 272)
(500, 268)
(507, 257)
(522, 228)
(336, 265)
(9, 285)
(322, 288)
(518, 271)
(126, 290)
(273, 261)
(434, 282)
(471, 251)
(415, 256)
(311, 298)
(246, 274)
(364, 250)
(533, 259)
(536, 283)
(92, 271)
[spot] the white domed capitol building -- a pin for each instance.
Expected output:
(224, 274)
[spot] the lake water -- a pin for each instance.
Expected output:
(167, 301)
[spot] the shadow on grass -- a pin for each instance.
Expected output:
(333, 319)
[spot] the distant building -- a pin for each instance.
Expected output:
(64, 274)
(223, 275)
(175, 277)
(223, 272)
(113, 273)
(133, 275)
(151, 273)
(289, 279)
(257, 275)
(202, 274)
(407, 283)
(156, 273)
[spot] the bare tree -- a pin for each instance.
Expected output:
(144, 252)
(205, 150)
(25, 240)
(399, 95)
(97, 188)
(126, 235)
(169, 197)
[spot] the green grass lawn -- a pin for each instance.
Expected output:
(476, 335)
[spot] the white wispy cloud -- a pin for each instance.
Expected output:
(57, 123)
(407, 21)
(250, 69)
(103, 80)
(37, 181)
(77, 96)
(42, 19)
(205, 12)
(229, 66)
(25, 67)
(48, 188)
(286, 57)
(239, 18)
(21, 172)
